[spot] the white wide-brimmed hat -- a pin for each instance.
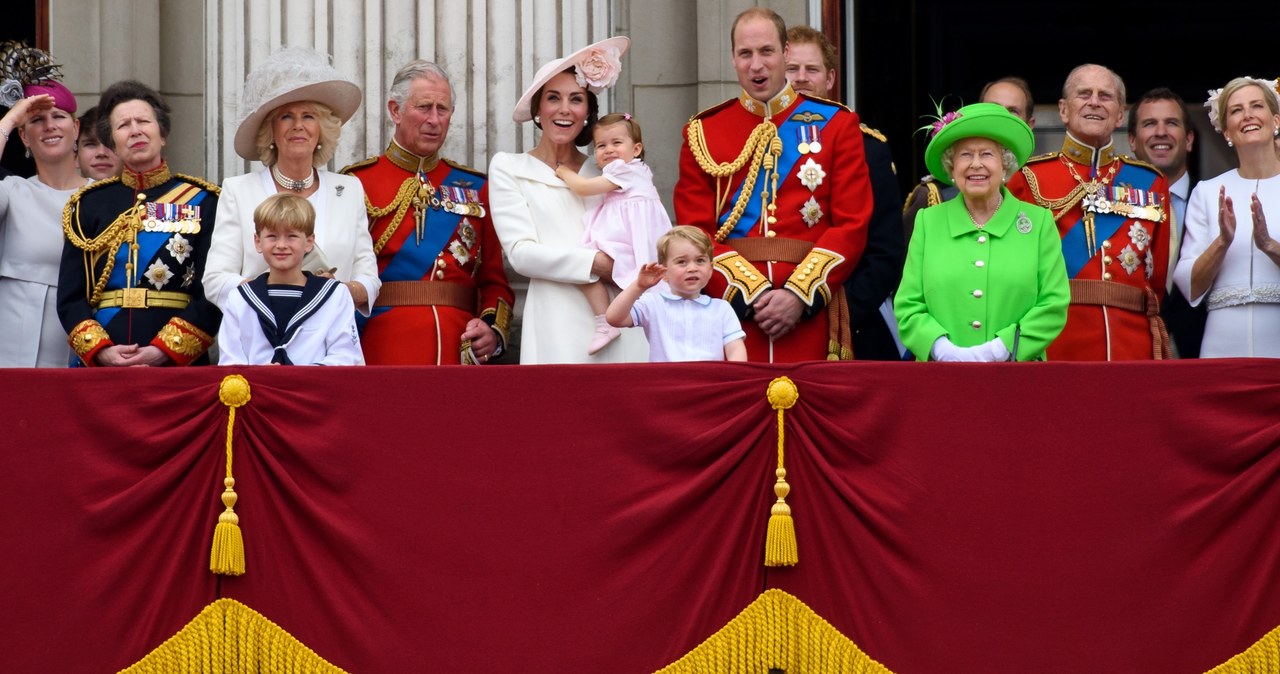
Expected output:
(291, 75)
(596, 65)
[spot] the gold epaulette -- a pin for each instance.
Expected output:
(370, 161)
(874, 133)
(1043, 157)
(1138, 162)
(463, 167)
(75, 198)
(199, 182)
(712, 109)
(828, 101)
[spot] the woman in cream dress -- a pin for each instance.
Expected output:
(540, 221)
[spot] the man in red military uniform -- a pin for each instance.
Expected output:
(779, 181)
(445, 297)
(1113, 216)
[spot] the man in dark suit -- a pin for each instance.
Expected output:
(811, 67)
(1161, 134)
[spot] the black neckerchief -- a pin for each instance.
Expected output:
(314, 294)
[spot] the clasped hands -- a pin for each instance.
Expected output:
(993, 351)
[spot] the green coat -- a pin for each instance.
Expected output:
(974, 285)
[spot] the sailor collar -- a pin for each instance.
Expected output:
(409, 161)
(1089, 156)
(140, 182)
(777, 104)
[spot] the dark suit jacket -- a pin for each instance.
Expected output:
(878, 272)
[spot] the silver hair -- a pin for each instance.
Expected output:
(1071, 76)
(416, 70)
(1007, 160)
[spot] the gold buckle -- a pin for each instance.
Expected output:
(133, 298)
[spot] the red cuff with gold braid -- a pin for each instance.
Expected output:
(182, 341)
(87, 339)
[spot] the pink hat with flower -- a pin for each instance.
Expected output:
(596, 67)
(27, 71)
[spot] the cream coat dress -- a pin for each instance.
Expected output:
(342, 234)
(539, 221)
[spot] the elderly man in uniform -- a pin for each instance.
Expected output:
(1113, 216)
(811, 67)
(445, 297)
(779, 180)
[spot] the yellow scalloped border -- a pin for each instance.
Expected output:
(232, 638)
(776, 631)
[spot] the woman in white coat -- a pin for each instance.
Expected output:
(293, 108)
(540, 221)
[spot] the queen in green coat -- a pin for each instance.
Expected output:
(984, 280)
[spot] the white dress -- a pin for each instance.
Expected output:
(1244, 299)
(342, 233)
(30, 253)
(539, 222)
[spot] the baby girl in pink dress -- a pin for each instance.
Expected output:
(626, 224)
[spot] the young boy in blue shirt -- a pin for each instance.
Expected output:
(680, 322)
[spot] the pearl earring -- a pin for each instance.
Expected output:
(1230, 144)
(537, 119)
(27, 152)
(319, 146)
(272, 146)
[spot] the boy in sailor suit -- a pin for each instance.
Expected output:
(288, 316)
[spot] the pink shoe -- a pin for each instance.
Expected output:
(603, 335)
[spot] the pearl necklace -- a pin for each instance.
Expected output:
(999, 200)
(291, 184)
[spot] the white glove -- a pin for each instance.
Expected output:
(993, 351)
(944, 351)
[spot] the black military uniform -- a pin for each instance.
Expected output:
(132, 265)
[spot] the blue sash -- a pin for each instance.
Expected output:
(1105, 225)
(415, 260)
(786, 163)
(149, 246)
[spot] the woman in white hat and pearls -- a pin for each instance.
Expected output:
(293, 108)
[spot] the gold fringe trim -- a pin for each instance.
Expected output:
(776, 631)
(228, 637)
(1263, 657)
(780, 547)
(226, 557)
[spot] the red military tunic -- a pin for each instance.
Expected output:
(1113, 215)
(822, 205)
(437, 275)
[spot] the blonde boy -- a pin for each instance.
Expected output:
(680, 322)
(288, 316)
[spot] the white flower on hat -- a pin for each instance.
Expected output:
(1266, 85)
(598, 70)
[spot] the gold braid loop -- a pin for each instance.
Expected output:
(1065, 203)
(758, 143)
(400, 204)
(112, 237)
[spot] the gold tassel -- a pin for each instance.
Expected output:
(227, 555)
(780, 547)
